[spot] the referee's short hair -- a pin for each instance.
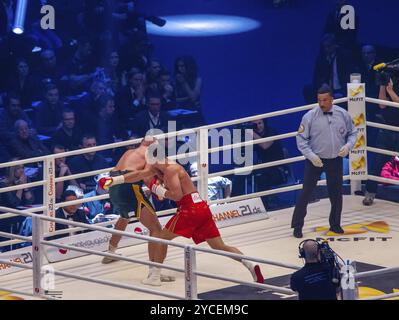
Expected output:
(325, 88)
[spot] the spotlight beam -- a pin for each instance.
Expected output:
(20, 14)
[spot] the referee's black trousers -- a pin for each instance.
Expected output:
(333, 170)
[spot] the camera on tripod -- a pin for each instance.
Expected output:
(330, 258)
(386, 72)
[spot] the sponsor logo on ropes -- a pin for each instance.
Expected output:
(239, 212)
(88, 244)
(23, 258)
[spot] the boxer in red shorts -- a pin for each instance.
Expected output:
(193, 218)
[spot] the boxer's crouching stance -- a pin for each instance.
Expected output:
(128, 198)
(193, 218)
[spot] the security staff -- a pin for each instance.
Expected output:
(325, 136)
(316, 280)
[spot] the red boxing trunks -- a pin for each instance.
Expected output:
(193, 219)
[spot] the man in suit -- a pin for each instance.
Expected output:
(131, 98)
(72, 213)
(151, 119)
(333, 66)
(87, 162)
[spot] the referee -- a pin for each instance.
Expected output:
(325, 136)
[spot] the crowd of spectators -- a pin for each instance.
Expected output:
(91, 81)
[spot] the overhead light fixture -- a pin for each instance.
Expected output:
(156, 20)
(20, 14)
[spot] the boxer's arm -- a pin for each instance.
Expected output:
(131, 177)
(174, 191)
(137, 175)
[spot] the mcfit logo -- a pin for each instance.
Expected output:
(378, 226)
(5, 295)
(356, 91)
(367, 292)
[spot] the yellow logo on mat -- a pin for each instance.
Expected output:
(367, 292)
(356, 91)
(378, 226)
(5, 295)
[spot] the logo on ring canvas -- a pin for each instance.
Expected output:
(359, 228)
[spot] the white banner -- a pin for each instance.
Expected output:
(234, 213)
(225, 215)
(23, 256)
(94, 240)
(357, 110)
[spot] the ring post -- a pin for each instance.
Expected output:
(37, 254)
(190, 279)
(357, 110)
(49, 192)
(203, 165)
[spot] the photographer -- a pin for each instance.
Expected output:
(386, 139)
(319, 279)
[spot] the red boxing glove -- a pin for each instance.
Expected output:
(105, 183)
(153, 187)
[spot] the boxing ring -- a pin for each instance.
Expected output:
(371, 237)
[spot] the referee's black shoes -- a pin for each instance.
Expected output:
(298, 233)
(337, 229)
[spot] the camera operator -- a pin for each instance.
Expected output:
(318, 279)
(386, 139)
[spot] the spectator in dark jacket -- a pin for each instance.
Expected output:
(26, 144)
(87, 162)
(333, 66)
(9, 115)
(4, 154)
(24, 84)
(151, 119)
(50, 71)
(109, 129)
(131, 99)
(49, 112)
(69, 135)
(86, 107)
(72, 213)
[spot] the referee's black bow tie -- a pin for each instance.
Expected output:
(326, 113)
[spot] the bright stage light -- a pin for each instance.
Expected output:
(203, 25)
